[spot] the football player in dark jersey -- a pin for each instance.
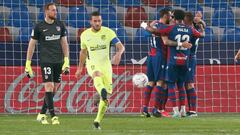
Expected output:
(54, 58)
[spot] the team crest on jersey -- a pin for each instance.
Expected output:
(58, 28)
(46, 77)
(103, 37)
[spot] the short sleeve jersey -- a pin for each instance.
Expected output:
(180, 33)
(98, 44)
(49, 38)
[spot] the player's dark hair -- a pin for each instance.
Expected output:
(46, 7)
(95, 13)
(164, 11)
(189, 17)
(179, 14)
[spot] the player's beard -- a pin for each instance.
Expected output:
(168, 21)
(96, 28)
(52, 17)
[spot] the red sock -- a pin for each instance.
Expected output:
(147, 95)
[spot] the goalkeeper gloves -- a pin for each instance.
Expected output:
(66, 66)
(28, 69)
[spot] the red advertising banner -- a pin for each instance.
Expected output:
(218, 89)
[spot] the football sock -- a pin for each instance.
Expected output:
(192, 99)
(181, 92)
(101, 111)
(49, 102)
(159, 97)
(172, 94)
(44, 106)
(165, 98)
(147, 95)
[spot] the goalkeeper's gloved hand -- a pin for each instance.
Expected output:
(28, 69)
(66, 66)
(144, 25)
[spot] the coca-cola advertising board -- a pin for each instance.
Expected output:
(218, 89)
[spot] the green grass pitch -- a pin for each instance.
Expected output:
(205, 124)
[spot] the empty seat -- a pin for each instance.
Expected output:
(134, 16)
(19, 18)
(5, 35)
(71, 2)
(194, 8)
(78, 17)
(25, 34)
(97, 3)
(12, 3)
(223, 18)
(219, 4)
(231, 35)
(39, 3)
(121, 34)
(155, 3)
(185, 3)
(107, 9)
(142, 36)
(110, 20)
(209, 36)
(128, 3)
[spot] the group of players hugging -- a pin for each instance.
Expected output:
(171, 63)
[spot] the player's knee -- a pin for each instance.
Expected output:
(151, 83)
(56, 86)
(160, 83)
(96, 74)
(49, 86)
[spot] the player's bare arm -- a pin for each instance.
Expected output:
(31, 47)
(65, 48)
(148, 28)
(168, 42)
(82, 59)
(117, 57)
(237, 57)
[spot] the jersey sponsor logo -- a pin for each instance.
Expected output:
(53, 37)
(58, 28)
(98, 47)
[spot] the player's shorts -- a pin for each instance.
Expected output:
(105, 69)
(51, 72)
(176, 73)
(191, 70)
(155, 68)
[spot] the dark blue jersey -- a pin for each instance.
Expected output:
(193, 50)
(178, 55)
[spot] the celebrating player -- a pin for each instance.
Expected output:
(178, 56)
(155, 67)
(95, 46)
(189, 85)
(54, 53)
